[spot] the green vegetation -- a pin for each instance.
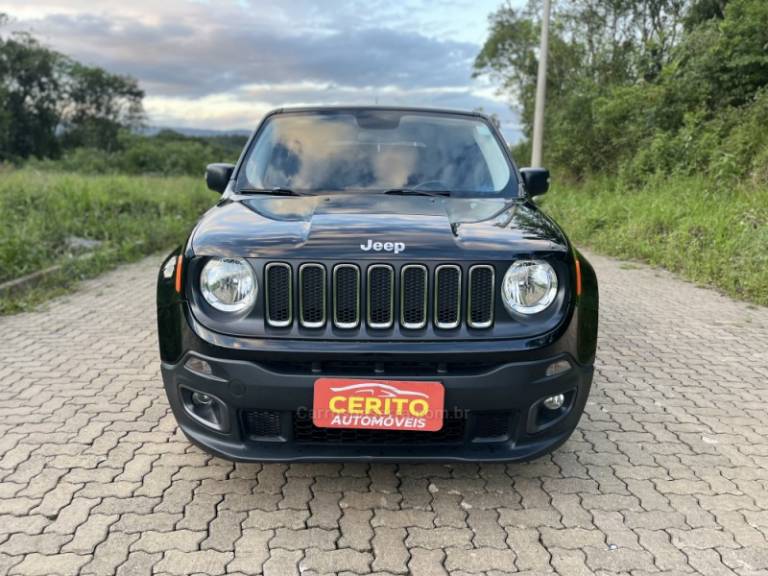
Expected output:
(638, 87)
(92, 191)
(656, 123)
(655, 132)
(51, 102)
(703, 232)
(166, 154)
(45, 213)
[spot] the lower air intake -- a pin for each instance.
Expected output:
(262, 424)
(304, 431)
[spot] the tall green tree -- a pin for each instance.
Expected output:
(30, 92)
(634, 81)
(97, 105)
(49, 101)
(593, 44)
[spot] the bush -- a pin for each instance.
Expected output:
(704, 231)
(685, 96)
(167, 154)
(127, 216)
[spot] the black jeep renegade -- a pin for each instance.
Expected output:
(377, 284)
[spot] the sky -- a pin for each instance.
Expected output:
(221, 64)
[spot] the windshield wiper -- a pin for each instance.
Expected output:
(276, 191)
(416, 192)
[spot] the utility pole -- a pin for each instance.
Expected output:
(541, 90)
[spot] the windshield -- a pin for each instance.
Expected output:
(378, 150)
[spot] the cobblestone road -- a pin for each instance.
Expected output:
(668, 472)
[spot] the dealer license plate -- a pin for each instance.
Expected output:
(378, 404)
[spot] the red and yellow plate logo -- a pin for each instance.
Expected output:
(378, 404)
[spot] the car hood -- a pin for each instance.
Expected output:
(339, 227)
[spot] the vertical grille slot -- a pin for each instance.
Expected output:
(312, 295)
(279, 294)
(346, 296)
(413, 296)
(380, 295)
(480, 300)
(447, 296)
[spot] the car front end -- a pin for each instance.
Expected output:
(409, 327)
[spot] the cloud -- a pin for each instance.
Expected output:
(222, 64)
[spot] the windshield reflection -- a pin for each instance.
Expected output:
(377, 150)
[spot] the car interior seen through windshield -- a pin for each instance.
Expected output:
(342, 151)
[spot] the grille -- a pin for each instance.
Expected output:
(346, 296)
(381, 291)
(262, 423)
(480, 301)
(413, 296)
(305, 431)
(279, 294)
(492, 426)
(381, 294)
(312, 295)
(379, 369)
(447, 296)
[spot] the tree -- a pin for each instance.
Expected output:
(49, 101)
(98, 105)
(595, 45)
(509, 58)
(704, 10)
(642, 85)
(30, 90)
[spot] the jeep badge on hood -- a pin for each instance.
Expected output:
(395, 247)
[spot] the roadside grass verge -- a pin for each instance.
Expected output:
(712, 234)
(47, 218)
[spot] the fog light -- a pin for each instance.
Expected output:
(554, 402)
(200, 399)
(207, 409)
(558, 367)
(198, 365)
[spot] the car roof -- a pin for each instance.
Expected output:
(361, 108)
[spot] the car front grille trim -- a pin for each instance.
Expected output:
(414, 296)
(447, 296)
(279, 294)
(409, 295)
(380, 294)
(481, 296)
(312, 295)
(346, 296)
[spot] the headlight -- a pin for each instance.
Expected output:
(228, 284)
(530, 286)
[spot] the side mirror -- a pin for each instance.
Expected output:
(536, 180)
(217, 176)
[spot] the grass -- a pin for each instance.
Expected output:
(129, 216)
(712, 234)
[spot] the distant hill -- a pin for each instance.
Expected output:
(193, 132)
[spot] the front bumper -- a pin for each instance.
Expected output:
(493, 385)
(494, 412)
